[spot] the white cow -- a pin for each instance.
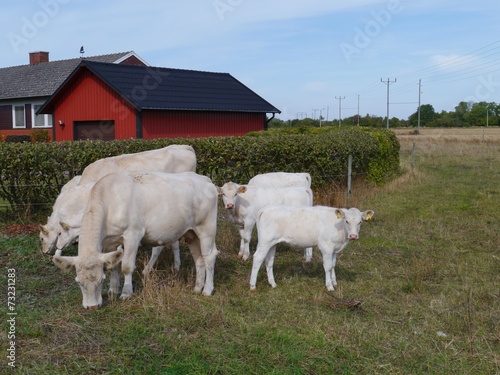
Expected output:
(63, 226)
(152, 209)
(171, 159)
(281, 179)
(71, 198)
(243, 202)
(285, 179)
(328, 228)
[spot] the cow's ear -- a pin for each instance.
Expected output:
(219, 190)
(64, 263)
(43, 229)
(241, 189)
(340, 214)
(64, 226)
(367, 215)
(111, 259)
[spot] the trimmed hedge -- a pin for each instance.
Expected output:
(32, 174)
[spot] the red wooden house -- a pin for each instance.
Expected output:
(25, 88)
(110, 101)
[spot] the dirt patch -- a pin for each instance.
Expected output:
(18, 229)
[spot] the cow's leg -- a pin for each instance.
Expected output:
(334, 262)
(155, 253)
(246, 236)
(130, 245)
(114, 281)
(308, 254)
(258, 257)
(177, 255)
(269, 266)
(327, 255)
(209, 253)
(195, 249)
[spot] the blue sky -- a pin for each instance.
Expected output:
(301, 56)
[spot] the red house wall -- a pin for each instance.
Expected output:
(89, 99)
(194, 124)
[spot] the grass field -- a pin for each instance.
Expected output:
(418, 293)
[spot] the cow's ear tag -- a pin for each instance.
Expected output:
(368, 217)
(339, 215)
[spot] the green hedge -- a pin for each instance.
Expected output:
(31, 174)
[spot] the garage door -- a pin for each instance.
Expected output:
(103, 130)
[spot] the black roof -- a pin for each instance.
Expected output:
(43, 79)
(173, 89)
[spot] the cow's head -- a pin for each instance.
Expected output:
(90, 274)
(48, 237)
(66, 236)
(229, 193)
(352, 220)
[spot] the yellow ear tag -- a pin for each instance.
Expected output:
(339, 215)
(368, 217)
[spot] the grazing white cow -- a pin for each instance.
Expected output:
(152, 209)
(285, 179)
(71, 199)
(171, 159)
(63, 226)
(243, 202)
(281, 179)
(328, 228)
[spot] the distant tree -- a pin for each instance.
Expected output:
(277, 123)
(461, 111)
(427, 116)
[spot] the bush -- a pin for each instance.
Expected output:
(40, 135)
(33, 174)
(17, 138)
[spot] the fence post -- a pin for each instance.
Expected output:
(349, 174)
(413, 158)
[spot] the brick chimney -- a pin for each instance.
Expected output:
(38, 57)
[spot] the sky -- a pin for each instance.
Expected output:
(327, 58)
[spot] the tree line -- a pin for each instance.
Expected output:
(466, 114)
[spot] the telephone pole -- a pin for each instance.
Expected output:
(358, 109)
(419, 93)
(388, 83)
(340, 108)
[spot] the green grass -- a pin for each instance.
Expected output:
(418, 294)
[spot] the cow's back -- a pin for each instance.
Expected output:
(281, 179)
(172, 159)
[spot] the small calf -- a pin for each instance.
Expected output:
(328, 228)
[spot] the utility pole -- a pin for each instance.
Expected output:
(388, 83)
(340, 108)
(358, 109)
(487, 114)
(419, 93)
(321, 116)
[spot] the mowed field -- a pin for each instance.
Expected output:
(418, 293)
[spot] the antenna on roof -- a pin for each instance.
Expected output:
(82, 51)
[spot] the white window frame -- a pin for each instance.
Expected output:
(14, 126)
(47, 119)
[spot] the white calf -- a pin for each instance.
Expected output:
(328, 228)
(244, 202)
(285, 179)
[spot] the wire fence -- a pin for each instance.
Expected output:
(341, 189)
